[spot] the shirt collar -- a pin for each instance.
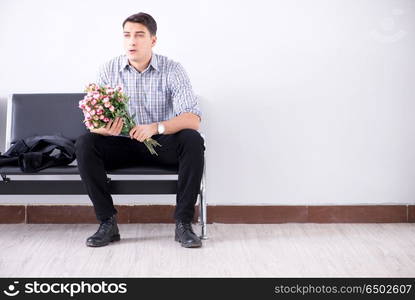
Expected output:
(153, 62)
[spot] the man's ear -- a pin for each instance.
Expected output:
(154, 41)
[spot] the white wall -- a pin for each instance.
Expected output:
(305, 102)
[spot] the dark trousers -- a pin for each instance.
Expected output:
(97, 154)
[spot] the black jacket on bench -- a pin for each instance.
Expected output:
(35, 153)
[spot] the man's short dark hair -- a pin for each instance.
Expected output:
(144, 19)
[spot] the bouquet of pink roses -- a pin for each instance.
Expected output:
(104, 103)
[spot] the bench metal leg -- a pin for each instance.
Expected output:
(203, 207)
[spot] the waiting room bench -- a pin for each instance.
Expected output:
(43, 114)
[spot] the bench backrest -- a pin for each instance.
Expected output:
(44, 114)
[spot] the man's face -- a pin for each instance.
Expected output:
(138, 42)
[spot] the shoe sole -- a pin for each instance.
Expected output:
(187, 245)
(115, 238)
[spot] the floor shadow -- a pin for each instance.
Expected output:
(145, 238)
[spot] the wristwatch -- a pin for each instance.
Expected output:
(160, 128)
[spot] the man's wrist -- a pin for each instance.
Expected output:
(155, 128)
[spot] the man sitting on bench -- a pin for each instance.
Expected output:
(166, 109)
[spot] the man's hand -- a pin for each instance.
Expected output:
(113, 127)
(143, 132)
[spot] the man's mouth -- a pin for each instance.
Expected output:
(132, 51)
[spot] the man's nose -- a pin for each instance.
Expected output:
(131, 42)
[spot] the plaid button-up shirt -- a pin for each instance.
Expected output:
(160, 92)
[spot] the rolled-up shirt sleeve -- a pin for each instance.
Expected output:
(183, 97)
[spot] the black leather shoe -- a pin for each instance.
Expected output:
(185, 235)
(107, 233)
